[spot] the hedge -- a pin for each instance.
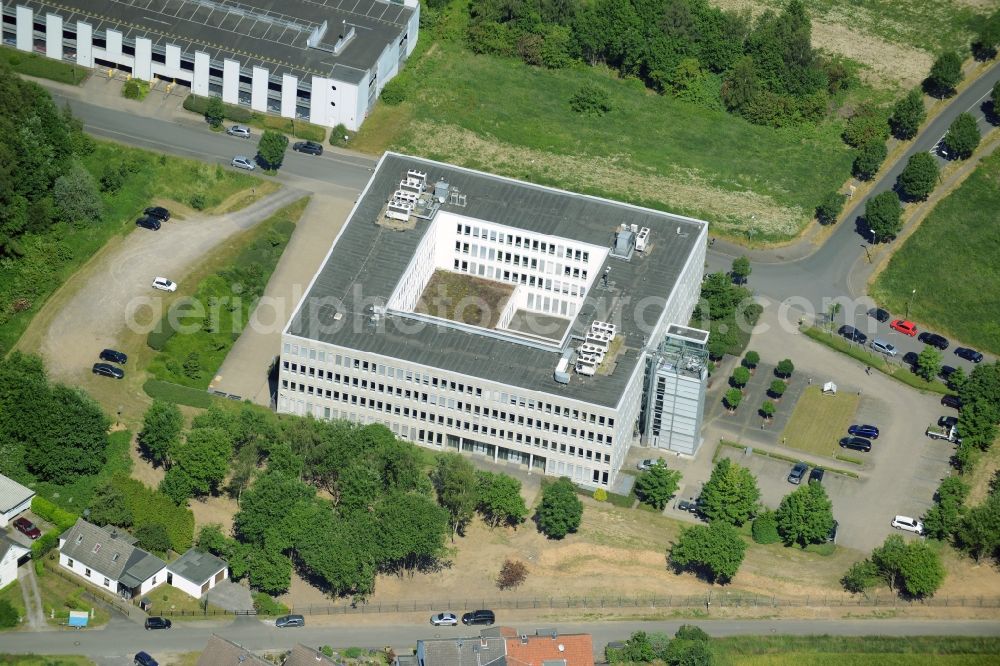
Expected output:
(239, 114)
(48, 511)
(151, 507)
(42, 545)
(181, 395)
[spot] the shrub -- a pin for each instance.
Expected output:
(48, 511)
(601, 495)
(45, 543)
(339, 136)
(395, 92)
(829, 209)
(154, 508)
(8, 614)
(197, 201)
(265, 604)
(132, 89)
(741, 376)
(590, 99)
(764, 528)
(751, 359)
(777, 388)
(512, 574)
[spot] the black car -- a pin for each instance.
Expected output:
(934, 340)
(108, 370)
(148, 222)
(114, 356)
(911, 358)
(143, 659)
(946, 371)
(798, 471)
(159, 212)
(157, 623)
(952, 401)
(968, 354)
(856, 443)
(816, 476)
(310, 147)
(879, 314)
(832, 536)
(853, 334)
(479, 617)
(948, 421)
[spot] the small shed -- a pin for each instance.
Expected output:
(197, 572)
(14, 499)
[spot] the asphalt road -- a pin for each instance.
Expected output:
(120, 639)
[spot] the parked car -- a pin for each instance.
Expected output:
(444, 620)
(948, 421)
(163, 284)
(241, 131)
(952, 401)
(290, 621)
(691, 506)
(143, 659)
(159, 212)
(968, 354)
(799, 470)
(155, 622)
(911, 358)
(108, 370)
(27, 528)
(880, 345)
(832, 536)
(856, 443)
(867, 431)
(647, 464)
(816, 475)
(114, 356)
(479, 617)
(852, 334)
(904, 326)
(310, 147)
(934, 340)
(908, 524)
(879, 314)
(243, 162)
(946, 371)
(148, 222)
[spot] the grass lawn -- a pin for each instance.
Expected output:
(12, 593)
(62, 595)
(850, 650)
(482, 301)
(816, 420)
(33, 64)
(951, 260)
(44, 660)
(186, 659)
(168, 599)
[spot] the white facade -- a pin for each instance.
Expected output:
(8, 562)
(15, 499)
(196, 588)
(97, 578)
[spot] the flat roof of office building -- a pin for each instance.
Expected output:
(264, 33)
(374, 258)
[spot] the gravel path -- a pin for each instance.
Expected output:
(32, 598)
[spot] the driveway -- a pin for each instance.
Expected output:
(230, 596)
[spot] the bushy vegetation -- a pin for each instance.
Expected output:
(714, 552)
(129, 504)
(238, 114)
(689, 647)
(910, 568)
(764, 528)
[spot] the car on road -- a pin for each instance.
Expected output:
(816, 475)
(867, 431)
(243, 162)
(647, 464)
(968, 354)
(163, 284)
(911, 358)
(934, 340)
(114, 356)
(908, 524)
(143, 659)
(27, 528)
(952, 401)
(946, 371)
(444, 620)
(310, 147)
(948, 421)
(241, 131)
(148, 222)
(880, 345)
(904, 326)
(156, 622)
(878, 314)
(290, 621)
(798, 471)
(852, 334)
(856, 443)
(108, 370)
(479, 617)
(159, 212)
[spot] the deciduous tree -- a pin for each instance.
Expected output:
(829, 209)
(153, 537)
(161, 431)
(963, 136)
(869, 158)
(785, 368)
(657, 485)
(733, 398)
(731, 494)
(560, 511)
(109, 506)
(715, 551)
(946, 72)
(805, 515)
(883, 213)
(920, 176)
(740, 377)
(204, 458)
(454, 479)
(215, 111)
(907, 115)
(929, 363)
(751, 359)
(271, 148)
(920, 571)
(741, 269)
(945, 516)
(512, 574)
(76, 195)
(499, 500)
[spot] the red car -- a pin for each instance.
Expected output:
(27, 528)
(903, 326)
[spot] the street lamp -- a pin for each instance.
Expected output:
(908, 301)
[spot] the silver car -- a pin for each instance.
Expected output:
(243, 162)
(880, 345)
(444, 620)
(241, 131)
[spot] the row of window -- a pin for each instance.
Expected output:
(87, 572)
(547, 267)
(489, 272)
(527, 243)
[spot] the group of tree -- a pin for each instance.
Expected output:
(980, 412)
(462, 491)
(728, 312)
(762, 68)
(910, 568)
(974, 530)
(688, 647)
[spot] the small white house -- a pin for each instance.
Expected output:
(10, 554)
(109, 559)
(14, 499)
(196, 572)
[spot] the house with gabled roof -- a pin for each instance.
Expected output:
(11, 554)
(107, 558)
(196, 572)
(14, 499)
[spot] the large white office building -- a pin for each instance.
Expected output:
(325, 61)
(471, 312)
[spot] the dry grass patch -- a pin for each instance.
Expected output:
(886, 64)
(464, 298)
(817, 415)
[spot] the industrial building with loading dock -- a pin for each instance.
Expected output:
(471, 312)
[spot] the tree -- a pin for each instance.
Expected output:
(512, 574)
(869, 158)
(498, 499)
(751, 359)
(731, 494)
(161, 431)
(995, 99)
(109, 506)
(777, 388)
(957, 379)
(657, 485)
(945, 74)
(978, 532)
(215, 111)
(883, 213)
(454, 479)
(591, 100)
(741, 269)
(907, 115)
(715, 551)
(740, 377)
(785, 368)
(733, 398)
(861, 577)
(888, 559)
(920, 570)
(764, 528)
(963, 137)
(76, 195)
(153, 537)
(920, 176)
(204, 458)
(829, 209)
(929, 363)
(271, 149)
(869, 124)
(768, 409)
(177, 485)
(560, 511)
(805, 515)
(987, 37)
(8, 615)
(945, 516)
(638, 649)
(69, 438)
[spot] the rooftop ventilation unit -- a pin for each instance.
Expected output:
(456, 199)
(624, 243)
(586, 365)
(597, 351)
(604, 327)
(642, 240)
(600, 339)
(441, 189)
(561, 375)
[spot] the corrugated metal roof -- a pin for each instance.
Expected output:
(12, 493)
